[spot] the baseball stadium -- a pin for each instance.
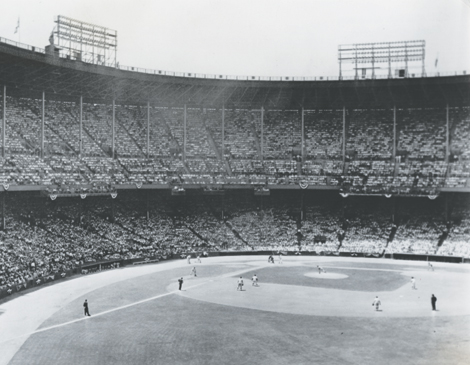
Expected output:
(157, 217)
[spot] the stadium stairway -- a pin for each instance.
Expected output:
(70, 147)
(75, 116)
(227, 167)
(453, 127)
(26, 144)
(257, 142)
(197, 234)
(211, 141)
(168, 130)
(131, 137)
(391, 236)
(90, 135)
(236, 234)
(448, 170)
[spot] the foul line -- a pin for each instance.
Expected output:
(128, 305)
(103, 313)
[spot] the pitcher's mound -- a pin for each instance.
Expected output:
(323, 275)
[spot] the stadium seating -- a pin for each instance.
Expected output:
(40, 241)
(370, 134)
(323, 134)
(422, 133)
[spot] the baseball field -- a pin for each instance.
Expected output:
(296, 315)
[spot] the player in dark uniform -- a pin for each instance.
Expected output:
(180, 282)
(85, 307)
(433, 302)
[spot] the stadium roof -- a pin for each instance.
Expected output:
(27, 71)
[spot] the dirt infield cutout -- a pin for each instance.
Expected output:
(326, 275)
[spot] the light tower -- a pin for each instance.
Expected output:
(366, 56)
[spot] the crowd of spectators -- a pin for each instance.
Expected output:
(460, 132)
(370, 134)
(420, 227)
(367, 229)
(367, 176)
(282, 134)
(323, 134)
(422, 133)
(44, 237)
(241, 139)
(420, 168)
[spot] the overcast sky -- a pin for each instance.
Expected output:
(253, 37)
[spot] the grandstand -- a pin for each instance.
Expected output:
(103, 140)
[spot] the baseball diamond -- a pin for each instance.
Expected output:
(138, 315)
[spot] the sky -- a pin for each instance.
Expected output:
(253, 37)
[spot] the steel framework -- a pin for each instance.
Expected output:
(367, 55)
(86, 42)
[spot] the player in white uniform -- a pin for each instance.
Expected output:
(413, 283)
(254, 280)
(240, 284)
(193, 271)
(321, 269)
(189, 259)
(376, 303)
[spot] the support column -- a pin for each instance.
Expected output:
(148, 204)
(389, 62)
(184, 132)
(394, 152)
(4, 120)
(356, 75)
(446, 209)
(42, 124)
(302, 145)
(112, 210)
(112, 132)
(3, 210)
(344, 134)
(406, 60)
(223, 207)
(148, 129)
(262, 133)
(80, 213)
(447, 134)
(80, 137)
(423, 70)
(373, 63)
(223, 132)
